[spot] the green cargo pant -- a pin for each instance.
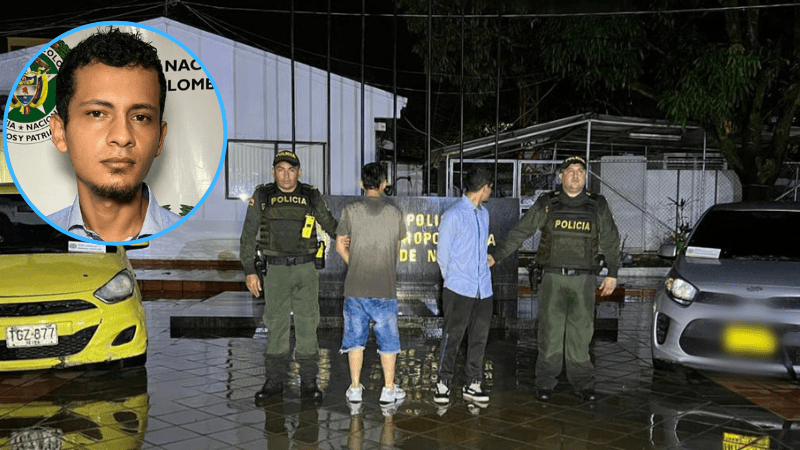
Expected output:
(566, 326)
(291, 289)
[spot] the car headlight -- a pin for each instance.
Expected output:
(680, 290)
(118, 288)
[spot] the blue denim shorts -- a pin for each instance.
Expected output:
(358, 311)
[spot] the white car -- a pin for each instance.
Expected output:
(731, 301)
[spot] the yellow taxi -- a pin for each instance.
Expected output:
(63, 302)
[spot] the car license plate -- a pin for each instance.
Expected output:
(753, 340)
(31, 336)
(733, 441)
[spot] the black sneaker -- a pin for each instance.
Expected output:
(544, 394)
(474, 393)
(587, 395)
(441, 392)
(271, 388)
(309, 390)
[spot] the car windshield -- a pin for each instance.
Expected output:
(772, 235)
(22, 231)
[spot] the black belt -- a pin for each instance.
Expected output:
(290, 260)
(568, 272)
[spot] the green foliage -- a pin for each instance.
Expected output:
(680, 234)
(592, 51)
(714, 88)
(736, 72)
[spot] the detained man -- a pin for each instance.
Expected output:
(110, 96)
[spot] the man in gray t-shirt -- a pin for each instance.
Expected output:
(374, 228)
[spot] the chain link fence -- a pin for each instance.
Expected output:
(788, 184)
(654, 201)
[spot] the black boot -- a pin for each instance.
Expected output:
(309, 390)
(270, 389)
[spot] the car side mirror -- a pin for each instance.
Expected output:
(667, 251)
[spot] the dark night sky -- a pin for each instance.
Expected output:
(268, 28)
(251, 23)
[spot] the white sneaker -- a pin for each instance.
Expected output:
(354, 394)
(391, 394)
(355, 408)
(474, 393)
(441, 393)
(390, 409)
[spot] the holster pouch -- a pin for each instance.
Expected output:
(319, 260)
(534, 275)
(599, 263)
(261, 268)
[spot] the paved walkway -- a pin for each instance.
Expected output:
(197, 393)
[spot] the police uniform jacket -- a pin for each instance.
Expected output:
(574, 230)
(276, 220)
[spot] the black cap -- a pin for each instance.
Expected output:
(286, 155)
(572, 160)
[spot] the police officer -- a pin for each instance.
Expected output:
(572, 222)
(284, 215)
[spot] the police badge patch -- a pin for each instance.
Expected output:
(33, 99)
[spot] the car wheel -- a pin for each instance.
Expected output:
(135, 361)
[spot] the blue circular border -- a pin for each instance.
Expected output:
(224, 134)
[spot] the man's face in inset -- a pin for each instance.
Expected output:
(286, 175)
(114, 130)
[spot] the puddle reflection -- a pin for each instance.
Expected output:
(64, 409)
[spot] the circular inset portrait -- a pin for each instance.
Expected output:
(114, 133)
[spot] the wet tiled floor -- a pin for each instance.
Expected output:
(197, 393)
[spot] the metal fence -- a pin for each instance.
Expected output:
(654, 201)
(788, 184)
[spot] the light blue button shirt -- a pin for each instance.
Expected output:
(462, 249)
(156, 220)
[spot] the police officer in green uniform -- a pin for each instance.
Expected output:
(572, 222)
(283, 215)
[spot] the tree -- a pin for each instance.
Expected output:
(733, 70)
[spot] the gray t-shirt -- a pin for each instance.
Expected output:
(375, 227)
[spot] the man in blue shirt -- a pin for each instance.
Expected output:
(467, 294)
(155, 220)
(110, 96)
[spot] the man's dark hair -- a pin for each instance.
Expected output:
(372, 175)
(477, 178)
(113, 48)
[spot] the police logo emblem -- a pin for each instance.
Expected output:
(33, 100)
(31, 91)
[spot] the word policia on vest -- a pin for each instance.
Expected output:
(579, 225)
(288, 199)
